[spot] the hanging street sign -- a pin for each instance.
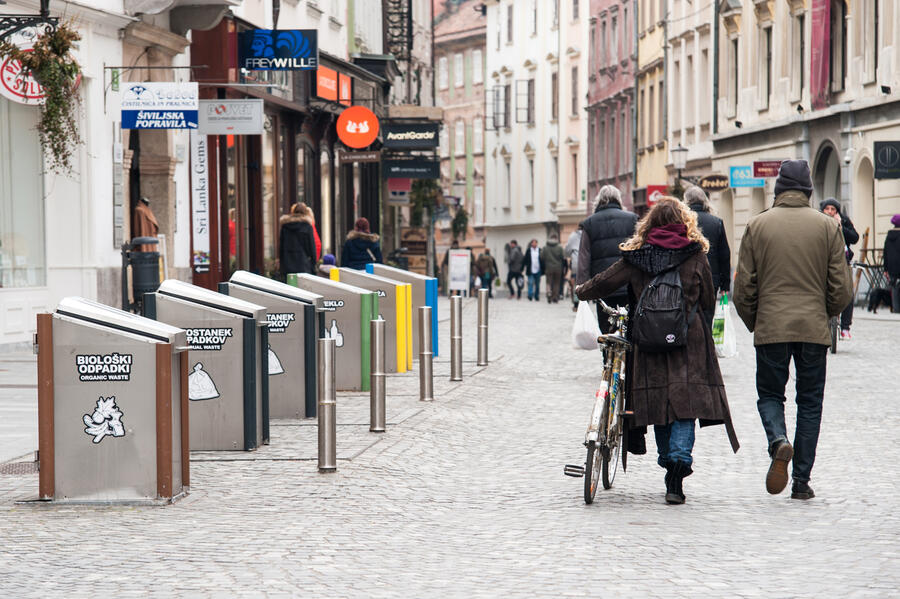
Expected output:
(742, 176)
(887, 159)
(347, 157)
(416, 168)
(357, 127)
(15, 85)
(714, 183)
(412, 136)
(160, 105)
(199, 202)
(231, 117)
(766, 168)
(654, 193)
(278, 49)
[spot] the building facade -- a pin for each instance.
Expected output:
(523, 110)
(610, 104)
(650, 93)
(817, 80)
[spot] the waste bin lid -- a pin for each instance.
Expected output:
(107, 316)
(387, 271)
(261, 283)
(336, 284)
(368, 276)
(212, 299)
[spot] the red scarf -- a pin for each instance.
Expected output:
(670, 237)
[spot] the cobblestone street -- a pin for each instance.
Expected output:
(466, 496)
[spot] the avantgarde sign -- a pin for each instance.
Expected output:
(413, 136)
(160, 105)
(278, 49)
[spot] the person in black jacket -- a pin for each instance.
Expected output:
(361, 247)
(719, 254)
(892, 261)
(296, 242)
(604, 230)
(832, 208)
(533, 264)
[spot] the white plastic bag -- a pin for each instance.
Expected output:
(728, 347)
(585, 330)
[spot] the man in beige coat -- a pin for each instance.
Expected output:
(792, 277)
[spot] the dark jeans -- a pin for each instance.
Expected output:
(534, 286)
(847, 317)
(513, 277)
(553, 280)
(486, 281)
(772, 366)
(674, 442)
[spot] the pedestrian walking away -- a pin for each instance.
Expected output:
(892, 261)
(296, 242)
(572, 246)
(832, 208)
(534, 269)
(713, 229)
(554, 259)
(670, 389)
(361, 247)
(515, 261)
(792, 276)
(603, 232)
(487, 270)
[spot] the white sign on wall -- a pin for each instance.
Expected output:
(459, 264)
(200, 202)
(14, 84)
(231, 117)
(160, 105)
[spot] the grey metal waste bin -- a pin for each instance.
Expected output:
(424, 293)
(295, 320)
(228, 380)
(112, 406)
(348, 311)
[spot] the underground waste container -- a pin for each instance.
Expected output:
(393, 307)
(348, 312)
(228, 378)
(424, 293)
(295, 320)
(112, 406)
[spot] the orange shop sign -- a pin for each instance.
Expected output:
(345, 96)
(327, 84)
(357, 127)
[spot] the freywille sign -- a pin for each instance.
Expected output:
(160, 105)
(412, 137)
(278, 49)
(714, 182)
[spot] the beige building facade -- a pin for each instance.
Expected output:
(651, 138)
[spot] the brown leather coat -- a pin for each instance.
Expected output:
(684, 383)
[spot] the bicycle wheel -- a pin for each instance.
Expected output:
(611, 462)
(592, 469)
(834, 335)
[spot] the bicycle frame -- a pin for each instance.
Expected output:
(614, 347)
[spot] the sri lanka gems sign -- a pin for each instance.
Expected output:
(278, 49)
(160, 105)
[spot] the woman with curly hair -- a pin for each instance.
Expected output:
(671, 389)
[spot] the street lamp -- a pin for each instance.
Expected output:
(679, 160)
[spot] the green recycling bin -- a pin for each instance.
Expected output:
(348, 312)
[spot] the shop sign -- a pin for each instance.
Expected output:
(887, 159)
(231, 117)
(14, 84)
(655, 193)
(742, 176)
(199, 202)
(417, 168)
(459, 266)
(766, 168)
(345, 89)
(327, 84)
(714, 183)
(345, 157)
(278, 49)
(398, 191)
(411, 137)
(357, 127)
(160, 105)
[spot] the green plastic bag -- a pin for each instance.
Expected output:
(718, 326)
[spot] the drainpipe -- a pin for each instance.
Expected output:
(665, 99)
(634, 99)
(715, 106)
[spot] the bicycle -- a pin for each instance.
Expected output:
(606, 430)
(835, 324)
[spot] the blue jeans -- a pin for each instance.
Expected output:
(772, 365)
(534, 286)
(674, 442)
(486, 284)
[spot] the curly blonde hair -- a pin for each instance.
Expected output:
(667, 211)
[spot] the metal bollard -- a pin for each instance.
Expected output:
(327, 407)
(482, 327)
(426, 374)
(456, 338)
(376, 394)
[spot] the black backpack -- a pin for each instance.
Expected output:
(660, 322)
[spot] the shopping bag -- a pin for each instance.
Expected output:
(585, 330)
(728, 347)
(718, 325)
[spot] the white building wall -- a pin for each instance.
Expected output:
(328, 17)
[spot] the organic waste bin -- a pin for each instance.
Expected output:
(348, 310)
(295, 320)
(394, 308)
(424, 293)
(228, 380)
(112, 406)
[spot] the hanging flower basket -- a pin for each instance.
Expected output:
(51, 64)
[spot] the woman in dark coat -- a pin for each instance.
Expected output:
(671, 389)
(361, 247)
(296, 242)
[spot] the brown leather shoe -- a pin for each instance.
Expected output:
(777, 477)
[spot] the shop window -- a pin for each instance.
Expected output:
(22, 258)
